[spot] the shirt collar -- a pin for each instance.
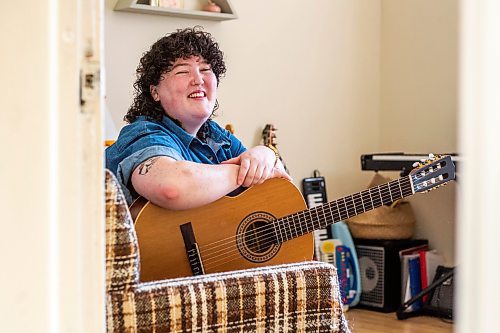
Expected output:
(218, 135)
(184, 136)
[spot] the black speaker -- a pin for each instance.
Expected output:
(380, 270)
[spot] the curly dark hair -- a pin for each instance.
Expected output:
(183, 43)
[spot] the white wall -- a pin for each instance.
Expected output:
(312, 69)
(419, 99)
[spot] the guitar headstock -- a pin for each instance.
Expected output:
(269, 135)
(432, 173)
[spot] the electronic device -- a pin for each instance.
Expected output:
(348, 275)
(314, 192)
(395, 161)
(380, 271)
(347, 264)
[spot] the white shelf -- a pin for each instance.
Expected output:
(142, 6)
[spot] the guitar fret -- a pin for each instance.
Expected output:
(301, 231)
(374, 199)
(275, 231)
(283, 229)
(353, 209)
(400, 190)
(346, 210)
(371, 198)
(277, 224)
(380, 194)
(318, 217)
(393, 198)
(294, 228)
(396, 195)
(387, 200)
(338, 210)
(287, 229)
(313, 227)
(311, 218)
(347, 207)
(304, 226)
(363, 199)
(329, 217)
(409, 186)
(342, 211)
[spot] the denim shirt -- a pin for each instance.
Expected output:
(143, 139)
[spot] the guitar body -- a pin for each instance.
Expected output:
(230, 233)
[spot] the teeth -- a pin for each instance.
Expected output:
(197, 94)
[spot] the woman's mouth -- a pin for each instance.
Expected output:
(197, 94)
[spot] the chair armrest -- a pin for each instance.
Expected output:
(300, 296)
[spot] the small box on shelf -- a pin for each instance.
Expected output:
(177, 8)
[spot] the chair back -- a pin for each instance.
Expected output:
(122, 249)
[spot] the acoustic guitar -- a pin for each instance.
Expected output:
(267, 224)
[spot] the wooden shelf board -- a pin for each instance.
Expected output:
(136, 7)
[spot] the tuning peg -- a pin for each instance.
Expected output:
(431, 156)
(416, 164)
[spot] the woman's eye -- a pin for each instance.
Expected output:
(206, 69)
(181, 72)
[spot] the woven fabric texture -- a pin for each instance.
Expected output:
(301, 297)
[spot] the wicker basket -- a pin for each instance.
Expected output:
(386, 222)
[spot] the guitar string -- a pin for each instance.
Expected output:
(269, 239)
(234, 255)
(412, 178)
(214, 261)
(318, 210)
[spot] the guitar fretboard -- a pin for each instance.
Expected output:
(319, 217)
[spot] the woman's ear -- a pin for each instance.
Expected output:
(154, 92)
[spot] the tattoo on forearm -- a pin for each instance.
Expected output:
(145, 166)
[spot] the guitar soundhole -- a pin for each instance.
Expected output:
(255, 237)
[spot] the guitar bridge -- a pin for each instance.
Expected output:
(192, 250)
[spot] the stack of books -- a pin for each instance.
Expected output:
(418, 268)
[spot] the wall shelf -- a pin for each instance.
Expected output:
(142, 6)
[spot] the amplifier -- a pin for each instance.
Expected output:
(380, 270)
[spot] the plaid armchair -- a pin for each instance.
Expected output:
(302, 297)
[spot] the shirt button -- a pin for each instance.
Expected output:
(211, 158)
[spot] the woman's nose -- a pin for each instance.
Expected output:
(197, 78)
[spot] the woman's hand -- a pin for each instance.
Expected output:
(258, 164)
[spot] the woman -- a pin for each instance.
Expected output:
(172, 152)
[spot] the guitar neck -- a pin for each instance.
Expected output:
(319, 217)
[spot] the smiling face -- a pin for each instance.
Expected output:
(187, 92)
